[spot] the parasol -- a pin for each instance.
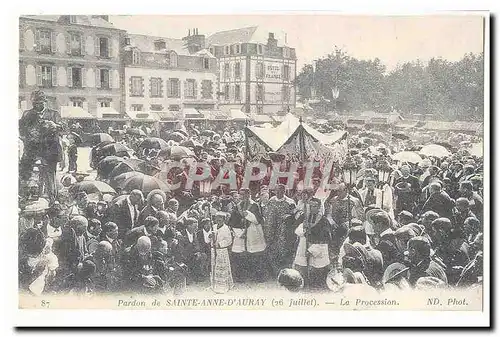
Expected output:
(144, 183)
(136, 132)
(191, 143)
(401, 136)
(119, 180)
(107, 165)
(91, 186)
(176, 136)
(435, 150)
(476, 149)
(98, 138)
(153, 143)
(114, 149)
(178, 152)
(133, 164)
(36, 207)
(182, 132)
(208, 133)
(407, 156)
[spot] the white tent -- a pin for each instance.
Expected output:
(292, 138)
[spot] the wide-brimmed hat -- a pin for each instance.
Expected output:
(394, 272)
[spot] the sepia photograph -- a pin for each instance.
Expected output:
(279, 161)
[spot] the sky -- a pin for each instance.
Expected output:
(393, 39)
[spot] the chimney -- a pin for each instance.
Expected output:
(195, 42)
(272, 43)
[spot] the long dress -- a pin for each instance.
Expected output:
(221, 276)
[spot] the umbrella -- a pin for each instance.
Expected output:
(183, 132)
(178, 152)
(133, 164)
(434, 150)
(208, 133)
(114, 149)
(153, 143)
(176, 136)
(107, 165)
(136, 132)
(401, 136)
(144, 183)
(476, 149)
(98, 138)
(191, 143)
(407, 156)
(91, 186)
(446, 145)
(36, 207)
(117, 182)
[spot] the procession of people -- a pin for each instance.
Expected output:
(408, 219)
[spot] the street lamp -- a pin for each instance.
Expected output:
(349, 174)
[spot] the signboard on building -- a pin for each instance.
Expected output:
(273, 72)
(272, 93)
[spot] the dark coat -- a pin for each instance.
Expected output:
(441, 203)
(119, 213)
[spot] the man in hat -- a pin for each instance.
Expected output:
(418, 259)
(407, 190)
(438, 201)
(191, 252)
(475, 200)
(39, 130)
(124, 211)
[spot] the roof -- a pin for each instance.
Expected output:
(74, 112)
(438, 125)
(253, 34)
(204, 53)
(237, 114)
(146, 43)
(83, 20)
(262, 119)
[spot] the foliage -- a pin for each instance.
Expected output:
(448, 90)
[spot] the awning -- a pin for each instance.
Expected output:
(145, 116)
(215, 115)
(74, 112)
(169, 116)
(106, 111)
(236, 114)
(192, 113)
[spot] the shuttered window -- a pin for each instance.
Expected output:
(136, 86)
(237, 93)
(46, 76)
(190, 88)
(174, 88)
(155, 87)
(43, 41)
(237, 70)
(206, 89)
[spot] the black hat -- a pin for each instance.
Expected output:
(421, 244)
(441, 223)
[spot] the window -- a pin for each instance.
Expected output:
(286, 72)
(75, 79)
(45, 42)
(260, 92)
(156, 87)
(46, 76)
(127, 41)
(105, 103)
(136, 107)
(174, 107)
(75, 44)
(104, 78)
(77, 102)
(160, 45)
(226, 92)
(286, 52)
(237, 70)
(226, 50)
(227, 73)
(285, 92)
(190, 88)
(238, 49)
(156, 107)
(136, 87)
(259, 70)
(104, 47)
(173, 59)
(237, 94)
(260, 49)
(136, 56)
(206, 63)
(173, 88)
(212, 51)
(206, 89)
(72, 19)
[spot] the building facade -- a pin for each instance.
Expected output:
(74, 59)
(254, 74)
(168, 75)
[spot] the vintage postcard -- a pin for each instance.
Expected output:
(299, 162)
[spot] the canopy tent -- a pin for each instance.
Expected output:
(75, 112)
(192, 113)
(291, 138)
(144, 116)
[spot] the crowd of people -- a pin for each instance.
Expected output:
(421, 228)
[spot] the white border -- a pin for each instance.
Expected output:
(190, 318)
